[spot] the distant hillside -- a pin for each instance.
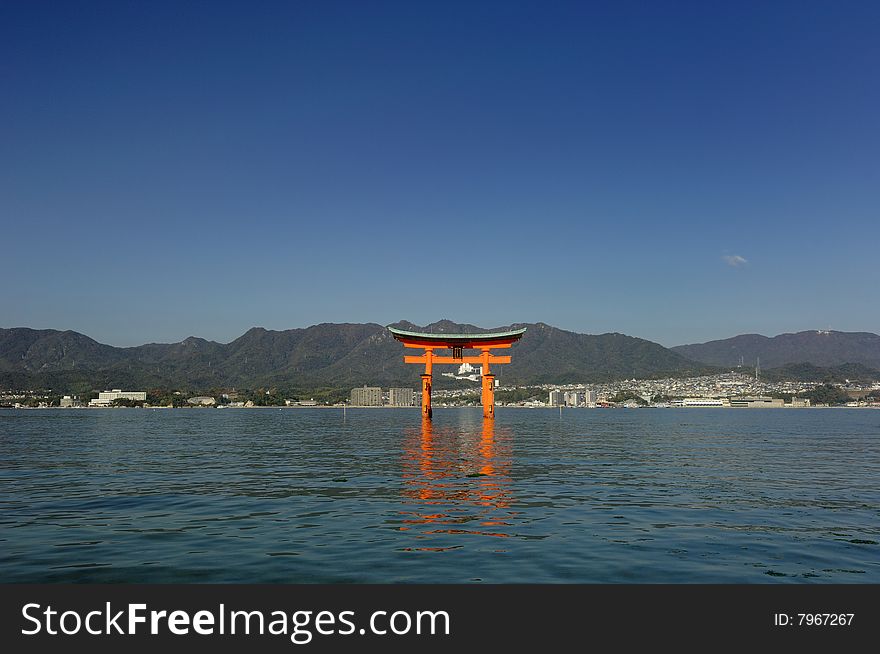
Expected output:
(550, 355)
(39, 350)
(325, 355)
(852, 372)
(820, 348)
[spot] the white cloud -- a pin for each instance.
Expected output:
(734, 260)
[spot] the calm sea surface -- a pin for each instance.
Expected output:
(310, 495)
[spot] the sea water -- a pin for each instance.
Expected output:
(376, 495)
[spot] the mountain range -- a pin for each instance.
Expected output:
(346, 355)
(821, 348)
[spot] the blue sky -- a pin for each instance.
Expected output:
(675, 171)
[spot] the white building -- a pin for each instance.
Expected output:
(466, 371)
(556, 398)
(712, 402)
(105, 398)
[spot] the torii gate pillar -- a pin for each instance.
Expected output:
(488, 396)
(426, 396)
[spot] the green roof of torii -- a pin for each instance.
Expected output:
(458, 340)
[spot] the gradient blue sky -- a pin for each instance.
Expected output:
(181, 168)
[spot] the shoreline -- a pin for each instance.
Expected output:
(408, 408)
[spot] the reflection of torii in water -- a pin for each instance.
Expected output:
(458, 343)
(446, 492)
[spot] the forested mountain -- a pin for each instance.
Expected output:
(820, 348)
(325, 355)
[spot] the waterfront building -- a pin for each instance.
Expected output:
(70, 401)
(757, 402)
(202, 400)
(702, 402)
(401, 396)
(590, 397)
(556, 398)
(366, 396)
(574, 398)
(117, 394)
(105, 398)
(466, 371)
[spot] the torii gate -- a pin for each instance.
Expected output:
(458, 343)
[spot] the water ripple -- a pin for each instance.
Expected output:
(300, 496)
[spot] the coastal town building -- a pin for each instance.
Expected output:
(401, 396)
(574, 398)
(466, 372)
(202, 400)
(105, 398)
(702, 402)
(366, 396)
(757, 402)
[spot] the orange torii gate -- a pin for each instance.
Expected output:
(458, 343)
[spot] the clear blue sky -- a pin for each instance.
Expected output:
(671, 170)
